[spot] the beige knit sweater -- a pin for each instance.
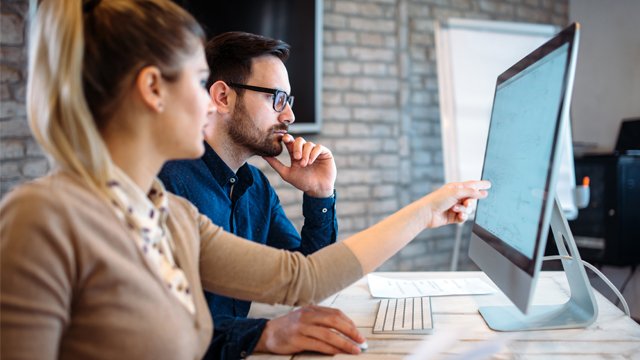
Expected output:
(75, 286)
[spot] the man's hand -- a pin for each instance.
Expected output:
(312, 168)
(310, 328)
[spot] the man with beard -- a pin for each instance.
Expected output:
(249, 86)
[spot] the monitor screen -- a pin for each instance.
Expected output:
(519, 153)
(522, 161)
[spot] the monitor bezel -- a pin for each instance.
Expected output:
(529, 266)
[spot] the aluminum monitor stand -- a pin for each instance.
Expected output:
(580, 311)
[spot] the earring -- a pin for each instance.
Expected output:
(159, 106)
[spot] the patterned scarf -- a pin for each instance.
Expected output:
(145, 216)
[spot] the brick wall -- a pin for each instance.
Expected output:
(380, 106)
(380, 110)
(20, 156)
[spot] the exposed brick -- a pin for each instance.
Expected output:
(11, 108)
(14, 127)
(358, 129)
(9, 170)
(9, 74)
(422, 39)
(357, 192)
(355, 99)
(336, 82)
(334, 129)
(358, 145)
(360, 160)
(532, 14)
(386, 161)
(346, 37)
(19, 91)
(423, 25)
(377, 99)
(462, 4)
(15, 55)
(384, 130)
(370, 39)
(336, 52)
(349, 68)
(5, 92)
(294, 212)
(337, 113)
(11, 149)
(390, 145)
(375, 84)
(372, 54)
(7, 185)
(359, 9)
(385, 206)
(359, 176)
(11, 29)
(377, 69)
(334, 21)
(329, 67)
(34, 168)
(387, 115)
(382, 26)
(34, 149)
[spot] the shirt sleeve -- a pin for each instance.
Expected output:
(36, 276)
(234, 337)
(320, 223)
(320, 226)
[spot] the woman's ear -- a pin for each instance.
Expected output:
(222, 97)
(149, 84)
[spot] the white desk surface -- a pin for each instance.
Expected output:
(612, 336)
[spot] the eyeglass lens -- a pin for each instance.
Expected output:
(281, 100)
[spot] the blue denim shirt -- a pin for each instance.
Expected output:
(246, 205)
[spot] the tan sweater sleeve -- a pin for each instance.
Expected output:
(242, 269)
(36, 275)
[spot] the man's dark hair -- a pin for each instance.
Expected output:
(229, 55)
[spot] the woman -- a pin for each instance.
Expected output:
(98, 261)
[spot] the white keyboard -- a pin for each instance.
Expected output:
(404, 316)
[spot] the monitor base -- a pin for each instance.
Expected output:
(580, 311)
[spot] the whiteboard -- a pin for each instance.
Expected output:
(470, 56)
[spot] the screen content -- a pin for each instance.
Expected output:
(517, 160)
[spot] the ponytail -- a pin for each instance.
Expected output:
(59, 116)
(80, 63)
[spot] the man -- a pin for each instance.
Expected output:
(250, 88)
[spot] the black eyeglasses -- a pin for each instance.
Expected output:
(280, 98)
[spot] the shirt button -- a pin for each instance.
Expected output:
(243, 354)
(232, 180)
(324, 210)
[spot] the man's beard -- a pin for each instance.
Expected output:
(245, 133)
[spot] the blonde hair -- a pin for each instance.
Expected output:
(80, 63)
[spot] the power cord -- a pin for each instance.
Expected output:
(600, 274)
(626, 281)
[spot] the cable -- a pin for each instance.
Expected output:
(626, 281)
(600, 274)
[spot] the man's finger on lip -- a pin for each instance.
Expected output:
(285, 136)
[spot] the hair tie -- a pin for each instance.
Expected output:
(88, 6)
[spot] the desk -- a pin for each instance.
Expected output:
(612, 336)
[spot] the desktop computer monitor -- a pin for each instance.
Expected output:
(522, 161)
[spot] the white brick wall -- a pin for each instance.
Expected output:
(380, 108)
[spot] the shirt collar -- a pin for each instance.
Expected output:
(221, 172)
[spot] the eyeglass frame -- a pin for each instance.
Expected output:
(287, 100)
